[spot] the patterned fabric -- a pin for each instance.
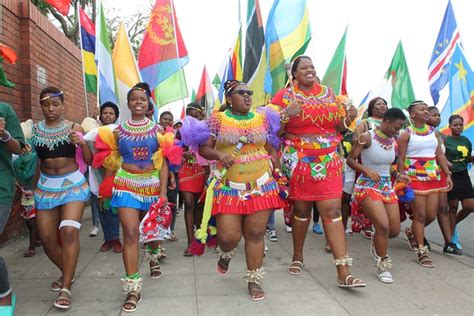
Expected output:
(192, 177)
(53, 191)
(135, 190)
(155, 226)
(53, 142)
(422, 169)
(138, 140)
(458, 152)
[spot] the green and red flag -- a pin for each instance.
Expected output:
(8, 54)
(402, 93)
(336, 73)
(204, 95)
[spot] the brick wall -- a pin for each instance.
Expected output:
(45, 58)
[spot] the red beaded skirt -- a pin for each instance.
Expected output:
(192, 178)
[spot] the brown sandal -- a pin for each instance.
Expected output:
(155, 270)
(424, 258)
(224, 261)
(132, 301)
(411, 239)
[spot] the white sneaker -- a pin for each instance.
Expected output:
(273, 235)
(288, 228)
(94, 231)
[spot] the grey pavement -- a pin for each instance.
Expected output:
(191, 286)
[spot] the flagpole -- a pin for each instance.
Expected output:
(98, 6)
(177, 52)
(82, 61)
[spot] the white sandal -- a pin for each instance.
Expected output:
(63, 298)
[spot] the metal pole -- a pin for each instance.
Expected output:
(82, 61)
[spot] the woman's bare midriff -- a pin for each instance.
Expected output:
(58, 166)
(135, 168)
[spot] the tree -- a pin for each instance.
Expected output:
(135, 23)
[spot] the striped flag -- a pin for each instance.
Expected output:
(126, 71)
(438, 69)
(236, 56)
(287, 35)
(204, 95)
(103, 58)
(87, 33)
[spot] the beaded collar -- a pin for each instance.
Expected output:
(51, 137)
(138, 130)
(424, 131)
(383, 140)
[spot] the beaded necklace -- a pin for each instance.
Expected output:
(423, 131)
(138, 130)
(384, 141)
(231, 127)
(50, 137)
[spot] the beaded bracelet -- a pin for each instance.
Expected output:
(7, 138)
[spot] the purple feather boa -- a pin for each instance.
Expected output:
(273, 120)
(194, 132)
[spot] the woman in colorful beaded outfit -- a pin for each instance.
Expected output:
(61, 191)
(192, 178)
(374, 193)
(419, 152)
(140, 181)
(245, 192)
(312, 117)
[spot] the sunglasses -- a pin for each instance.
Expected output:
(243, 92)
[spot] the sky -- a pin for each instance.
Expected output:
(209, 28)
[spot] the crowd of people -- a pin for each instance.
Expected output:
(232, 170)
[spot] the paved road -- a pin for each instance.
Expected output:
(191, 286)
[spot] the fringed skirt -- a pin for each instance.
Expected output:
(424, 174)
(135, 190)
(314, 175)
(192, 178)
(246, 198)
(53, 191)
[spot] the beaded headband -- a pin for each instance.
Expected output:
(194, 107)
(230, 85)
(51, 95)
(141, 89)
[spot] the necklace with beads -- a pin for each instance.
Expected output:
(423, 131)
(384, 141)
(138, 130)
(50, 137)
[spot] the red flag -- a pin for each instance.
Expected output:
(204, 95)
(183, 112)
(61, 5)
(163, 51)
(7, 53)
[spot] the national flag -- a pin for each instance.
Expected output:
(162, 52)
(448, 37)
(287, 35)
(336, 73)
(193, 95)
(126, 71)
(87, 33)
(61, 5)
(461, 94)
(204, 95)
(360, 112)
(216, 82)
(236, 56)
(8, 54)
(103, 58)
(402, 93)
(171, 89)
(227, 75)
(255, 61)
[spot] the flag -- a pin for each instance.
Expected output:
(236, 56)
(171, 89)
(10, 56)
(204, 95)
(402, 93)
(193, 95)
(287, 35)
(125, 68)
(360, 112)
(255, 54)
(87, 33)
(227, 75)
(183, 112)
(103, 58)
(216, 82)
(336, 73)
(162, 52)
(61, 5)
(461, 94)
(448, 37)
